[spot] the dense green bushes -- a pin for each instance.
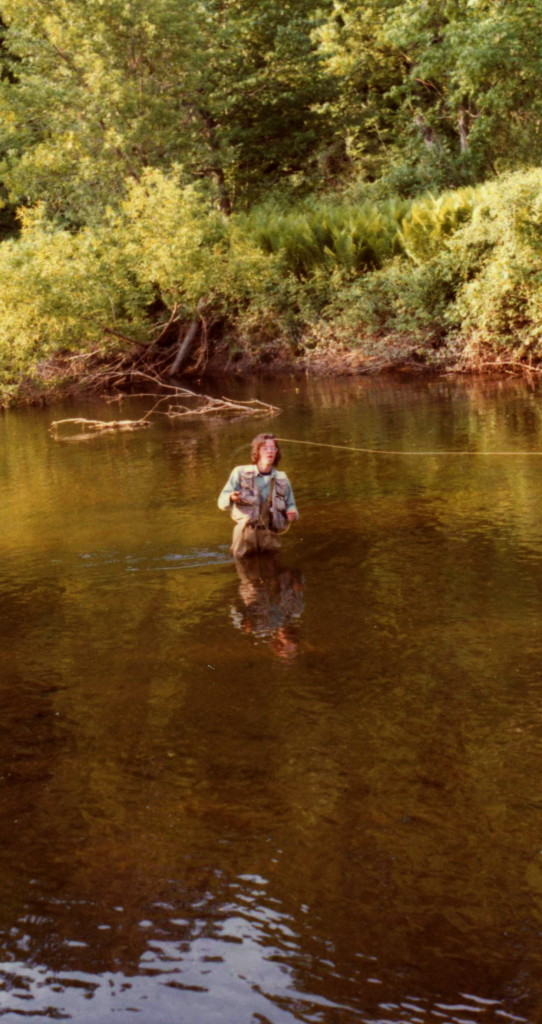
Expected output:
(463, 278)
(461, 272)
(329, 235)
(455, 273)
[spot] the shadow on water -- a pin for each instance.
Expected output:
(294, 788)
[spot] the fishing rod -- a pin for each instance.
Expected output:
(388, 451)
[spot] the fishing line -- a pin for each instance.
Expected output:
(383, 451)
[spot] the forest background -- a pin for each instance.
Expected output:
(316, 182)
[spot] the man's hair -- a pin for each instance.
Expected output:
(257, 444)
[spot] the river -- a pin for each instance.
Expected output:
(297, 790)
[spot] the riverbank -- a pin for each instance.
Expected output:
(75, 375)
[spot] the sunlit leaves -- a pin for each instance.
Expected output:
(226, 88)
(65, 289)
(451, 88)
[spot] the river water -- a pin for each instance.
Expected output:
(305, 789)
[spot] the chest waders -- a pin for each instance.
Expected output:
(258, 522)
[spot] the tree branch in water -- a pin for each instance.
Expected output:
(182, 403)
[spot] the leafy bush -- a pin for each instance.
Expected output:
(90, 288)
(470, 273)
(464, 267)
(431, 221)
(499, 305)
(351, 238)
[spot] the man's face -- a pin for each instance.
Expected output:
(267, 453)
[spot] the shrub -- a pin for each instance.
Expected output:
(334, 236)
(499, 305)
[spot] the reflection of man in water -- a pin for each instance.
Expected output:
(260, 499)
(271, 603)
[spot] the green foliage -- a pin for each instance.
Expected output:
(249, 96)
(310, 168)
(470, 282)
(432, 220)
(63, 289)
(465, 267)
(436, 94)
(59, 290)
(500, 305)
(228, 88)
(334, 236)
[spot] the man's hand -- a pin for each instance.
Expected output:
(234, 497)
(292, 514)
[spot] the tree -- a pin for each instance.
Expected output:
(104, 89)
(449, 89)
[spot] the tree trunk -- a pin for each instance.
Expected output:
(185, 347)
(462, 129)
(216, 169)
(427, 132)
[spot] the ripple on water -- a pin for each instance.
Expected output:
(374, 804)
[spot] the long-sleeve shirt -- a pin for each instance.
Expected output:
(263, 483)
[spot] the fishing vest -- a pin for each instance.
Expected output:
(253, 509)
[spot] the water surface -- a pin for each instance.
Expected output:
(304, 789)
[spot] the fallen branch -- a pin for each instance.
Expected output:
(201, 405)
(100, 426)
(124, 337)
(511, 366)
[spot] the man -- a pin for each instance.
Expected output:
(260, 500)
